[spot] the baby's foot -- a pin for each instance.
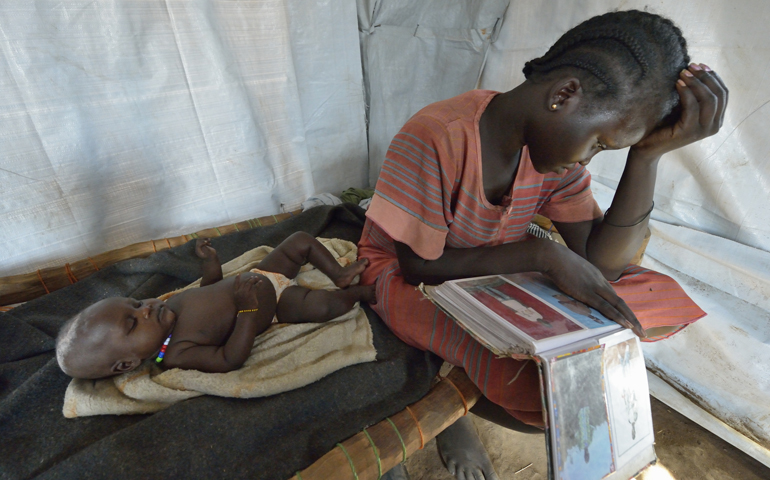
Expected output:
(463, 453)
(346, 276)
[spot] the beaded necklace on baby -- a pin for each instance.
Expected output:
(162, 352)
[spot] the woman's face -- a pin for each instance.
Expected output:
(565, 138)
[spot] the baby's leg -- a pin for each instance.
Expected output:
(300, 304)
(301, 248)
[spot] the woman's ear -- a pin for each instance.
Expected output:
(123, 366)
(565, 94)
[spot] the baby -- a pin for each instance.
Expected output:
(211, 328)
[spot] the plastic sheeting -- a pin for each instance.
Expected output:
(417, 53)
(713, 226)
(128, 120)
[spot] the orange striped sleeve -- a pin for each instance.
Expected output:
(413, 192)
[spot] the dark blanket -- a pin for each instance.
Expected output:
(206, 437)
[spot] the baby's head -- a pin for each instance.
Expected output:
(113, 336)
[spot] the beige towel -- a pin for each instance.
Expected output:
(285, 357)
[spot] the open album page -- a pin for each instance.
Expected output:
(533, 311)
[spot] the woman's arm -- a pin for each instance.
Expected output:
(611, 242)
(530, 256)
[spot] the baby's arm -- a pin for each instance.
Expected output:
(255, 313)
(212, 269)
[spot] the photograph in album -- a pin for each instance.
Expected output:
(627, 397)
(580, 423)
(530, 315)
(520, 313)
(539, 285)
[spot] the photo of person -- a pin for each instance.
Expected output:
(532, 316)
(583, 447)
(539, 286)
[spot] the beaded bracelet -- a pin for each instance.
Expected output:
(633, 224)
(247, 311)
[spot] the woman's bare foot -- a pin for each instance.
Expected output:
(347, 274)
(463, 453)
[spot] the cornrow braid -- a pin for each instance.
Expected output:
(596, 71)
(631, 54)
(564, 44)
(680, 38)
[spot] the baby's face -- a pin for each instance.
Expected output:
(128, 330)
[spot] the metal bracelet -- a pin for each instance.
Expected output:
(633, 224)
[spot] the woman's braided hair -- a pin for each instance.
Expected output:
(629, 56)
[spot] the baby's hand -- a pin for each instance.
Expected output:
(204, 249)
(245, 292)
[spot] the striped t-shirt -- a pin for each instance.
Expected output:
(430, 193)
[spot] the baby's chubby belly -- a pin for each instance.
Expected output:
(207, 315)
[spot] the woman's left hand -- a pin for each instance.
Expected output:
(703, 98)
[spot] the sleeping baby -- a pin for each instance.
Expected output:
(211, 328)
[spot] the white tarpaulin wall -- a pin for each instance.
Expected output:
(420, 52)
(123, 121)
(129, 120)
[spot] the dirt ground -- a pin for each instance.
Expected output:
(685, 451)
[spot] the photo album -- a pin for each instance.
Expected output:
(593, 377)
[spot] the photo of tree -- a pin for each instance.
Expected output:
(627, 396)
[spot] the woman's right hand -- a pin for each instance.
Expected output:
(578, 278)
(245, 292)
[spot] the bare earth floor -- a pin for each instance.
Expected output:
(685, 451)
